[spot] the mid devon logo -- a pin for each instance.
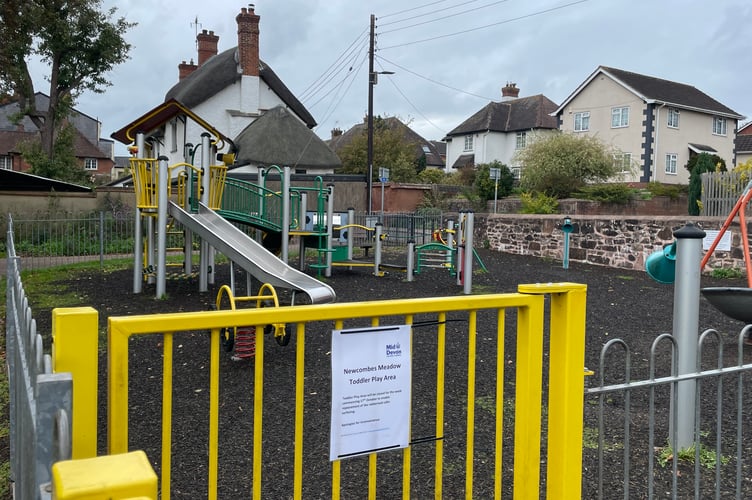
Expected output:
(393, 350)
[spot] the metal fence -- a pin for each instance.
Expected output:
(45, 242)
(630, 425)
(401, 228)
(40, 401)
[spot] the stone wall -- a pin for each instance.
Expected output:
(622, 242)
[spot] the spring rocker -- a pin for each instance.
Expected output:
(241, 341)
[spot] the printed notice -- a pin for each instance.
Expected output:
(724, 244)
(371, 380)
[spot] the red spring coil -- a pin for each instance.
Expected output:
(245, 343)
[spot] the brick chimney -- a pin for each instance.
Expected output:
(185, 69)
(509, 91)
(248, 40)
(336, 132)
(207, 46)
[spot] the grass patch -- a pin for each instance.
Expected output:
(727, 273)
(707, 456)
(590, 441)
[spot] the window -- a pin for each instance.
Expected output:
(582, 121)
(619, 117)
(673, 118)
(521, 140)
(90, 163)
(719, 125)
(6, 162)
(516, 172)
(468, 143)
(623, 162)
(671, 163)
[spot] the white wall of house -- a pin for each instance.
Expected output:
(489, 147)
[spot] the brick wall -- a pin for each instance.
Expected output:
(622, 242)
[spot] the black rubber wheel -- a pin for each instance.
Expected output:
(227, 338)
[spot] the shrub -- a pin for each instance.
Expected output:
(538, 203)
(607, 193)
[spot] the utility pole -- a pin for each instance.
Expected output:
(371, 82)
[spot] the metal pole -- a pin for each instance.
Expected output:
(496, 192)
(162, 201)
(410, 259)
(204, 258)
(329, 228)
(686, 330)
(138, 240)
(377, 250)
(285, 212)
(467, 267)
(382, 202)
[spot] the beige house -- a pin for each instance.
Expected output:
(657, 125)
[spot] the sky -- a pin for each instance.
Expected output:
(450, 58)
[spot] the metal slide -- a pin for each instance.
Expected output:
(249, 254)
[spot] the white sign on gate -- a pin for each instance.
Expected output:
(371, 380)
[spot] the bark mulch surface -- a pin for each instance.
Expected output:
(621, 304)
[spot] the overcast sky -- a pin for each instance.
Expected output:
(450, 58)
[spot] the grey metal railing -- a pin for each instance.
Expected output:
(40, 401)
(637, 441)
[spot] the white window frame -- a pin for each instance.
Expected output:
(468, 143)
(623, 162)
(620, 117)
(582, 121)
(672, 121)
(88, 162)
(6, 162)
(516, 172)
(671, 160)
(521, 140)
(719, 125)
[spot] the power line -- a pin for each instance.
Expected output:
(391, 80)
(438, 18)
(526, 16)
(415, 8)
(335, 67)
(434, 81)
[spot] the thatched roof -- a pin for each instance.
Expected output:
(278, 138)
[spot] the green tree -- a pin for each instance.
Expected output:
(719, 162)
(77, 41)
(485, 187)
(390, 150)
(63, 164)
(703, 163)
(560, 164)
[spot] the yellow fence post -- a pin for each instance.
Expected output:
(112, 477)
(75, 350)
(565, 387)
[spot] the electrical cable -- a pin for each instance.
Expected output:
(478, 28)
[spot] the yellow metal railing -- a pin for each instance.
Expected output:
(564, 402)
(145, 173)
